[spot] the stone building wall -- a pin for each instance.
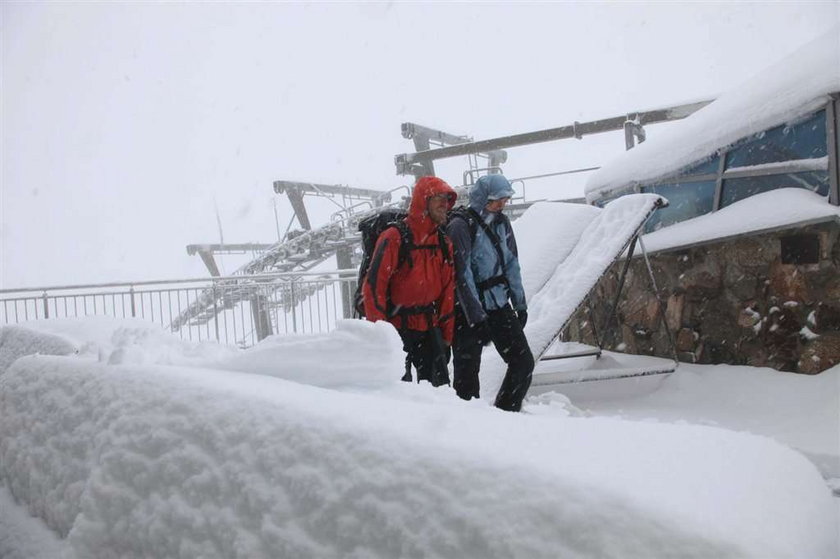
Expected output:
(767, 300)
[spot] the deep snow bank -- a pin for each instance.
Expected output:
(25, 537)
(177, 462)
(108, 340)
(800, 411)
(357, 354)
(17, 341)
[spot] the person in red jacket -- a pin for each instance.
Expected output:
(417, 295)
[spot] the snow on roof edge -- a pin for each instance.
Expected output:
(796, 85)
(785, 208)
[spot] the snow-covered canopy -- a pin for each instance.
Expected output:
(793, 87)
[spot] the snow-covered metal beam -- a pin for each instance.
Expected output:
(406, 161)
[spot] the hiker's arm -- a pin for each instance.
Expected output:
(382, 267)
(465, 290)
(446, 303)
(514, 273)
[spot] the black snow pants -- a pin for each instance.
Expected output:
(507, 336)
(425, 353)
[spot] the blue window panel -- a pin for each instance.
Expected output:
(685, 201)
(738, 189)
(706, 167)
(803, 140)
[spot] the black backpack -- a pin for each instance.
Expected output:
(474, 221)
(371, 228)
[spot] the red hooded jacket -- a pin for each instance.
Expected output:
(430, 278)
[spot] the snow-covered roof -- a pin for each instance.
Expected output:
(796, 85)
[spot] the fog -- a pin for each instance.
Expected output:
(127, 127)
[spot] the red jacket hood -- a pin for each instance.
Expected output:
(425, 188)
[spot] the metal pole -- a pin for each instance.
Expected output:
(661, 305)
(294, 305)
(215, 312)
(406, 162)
(621, 279)
(348, 290)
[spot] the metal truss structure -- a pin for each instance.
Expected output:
(304, 249)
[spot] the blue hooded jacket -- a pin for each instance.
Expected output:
(477, 261)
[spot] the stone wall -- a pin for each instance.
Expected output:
(740, 301)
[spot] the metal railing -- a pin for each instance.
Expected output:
(245, 310)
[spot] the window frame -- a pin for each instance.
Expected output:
(832, 125)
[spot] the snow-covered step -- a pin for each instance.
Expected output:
(586, 375)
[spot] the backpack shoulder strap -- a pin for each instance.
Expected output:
(494, 240)
(470, 217)
(444, 246)
(406, 243)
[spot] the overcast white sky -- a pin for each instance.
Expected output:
(125, 124)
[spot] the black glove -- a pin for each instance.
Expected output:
(522, 316)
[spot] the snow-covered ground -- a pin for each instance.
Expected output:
(122, 441)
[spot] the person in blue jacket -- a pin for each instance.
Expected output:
(490, 301)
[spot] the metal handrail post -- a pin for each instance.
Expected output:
(216, 311)
(133, 305)
(294, 304)
(46, 305)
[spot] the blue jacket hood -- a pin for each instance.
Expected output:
(489, 187)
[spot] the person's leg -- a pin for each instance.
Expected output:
(438, 357)
(407, 376)
(417, 346)
(512, 345)
(466, 358)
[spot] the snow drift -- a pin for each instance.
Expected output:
(128, 459)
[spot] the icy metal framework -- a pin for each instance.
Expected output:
(296, 190)
(407, 162)
(425, 137)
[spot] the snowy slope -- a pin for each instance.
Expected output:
(126, 459)
(797, 410)
(225, 464)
